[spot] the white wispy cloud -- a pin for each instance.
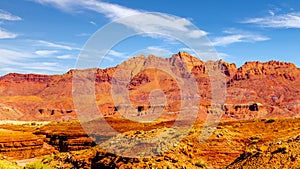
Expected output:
(7, 35)
(161, 23)
(83, 34)
(12, 57)
(222, 54)
(93, 23)
(209, 52)
(43, 66)
(31, 59)
(64, 56)
(4, 15)
(158, 51)
(272, 13)
(107, 59)
(112, 11)
(288, 20)
(115, 53)
(27, 62)
(238, 36)
(55, 45)
(108, 56)
(45, 52)
(54, 54)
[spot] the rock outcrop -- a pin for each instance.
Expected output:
(8, 112)
(20, 144)
(239, 111)
(275, 154)
(56, 113)
(65, 136)
(272, 68)
(274, 84)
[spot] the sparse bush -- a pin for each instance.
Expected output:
(270, 121)
(200, 164)
(254, 141)
(237, 125)
(254, 137)
(8, 165)
(47, 159)
(37, 165)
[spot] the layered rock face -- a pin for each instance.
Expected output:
(275, 85)
(20, 144)
(239, 111)
(14, 84)
(65, 136)
(56, 113)
(271, 68)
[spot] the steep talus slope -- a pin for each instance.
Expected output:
(8, 112)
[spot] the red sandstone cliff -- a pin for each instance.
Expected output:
(273, 84)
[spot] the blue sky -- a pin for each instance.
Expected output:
(46, 36)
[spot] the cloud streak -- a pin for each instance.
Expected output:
(39, 57)
(158, 51)
(64, 56)
(55, 45)
(237, 36)
(7, 35)
(289, 20)
(28, 62)
(159, 23)
(111, 11)
(93, 23)
(4, 15)
(45, 52)
(53, 54)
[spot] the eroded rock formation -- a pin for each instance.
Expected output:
(274, 84)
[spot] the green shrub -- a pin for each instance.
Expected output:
(37, 165)
(8, 165)
(256, 137)
(270, 121)
(200, 164)
(47, 159)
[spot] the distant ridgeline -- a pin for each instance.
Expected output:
(256, 89)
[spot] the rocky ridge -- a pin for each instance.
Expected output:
(273, 84)
(281, 153)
